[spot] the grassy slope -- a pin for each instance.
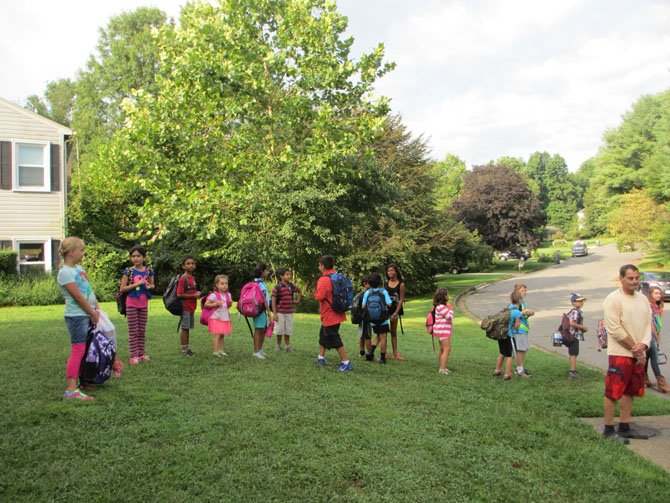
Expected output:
(245, 430)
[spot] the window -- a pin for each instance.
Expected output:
(33, 255)
(32, 166)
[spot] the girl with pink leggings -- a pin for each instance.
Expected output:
(81, 308)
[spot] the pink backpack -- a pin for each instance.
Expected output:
(206, 312)
(252, 300)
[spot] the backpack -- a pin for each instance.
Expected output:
(252, 300)
(496, 325)
(357, 309)
(601, 333)
(376, 309)
(206, 312)
(430, 320)
(343, 292)
(564, 329)
(98, 362)
(173, 303)
(122, 296)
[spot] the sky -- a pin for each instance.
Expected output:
(480, 79)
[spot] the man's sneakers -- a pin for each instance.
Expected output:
(346, 367)
(76, 395)
(573, 374)
(615, 437)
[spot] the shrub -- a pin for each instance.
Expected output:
(8, 262)
(559, 243)
(104, 265)
(38, 289)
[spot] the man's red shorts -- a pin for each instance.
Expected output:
(624, 377)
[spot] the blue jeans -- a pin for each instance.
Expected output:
(652, 357)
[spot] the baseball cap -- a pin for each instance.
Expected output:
(576, 297)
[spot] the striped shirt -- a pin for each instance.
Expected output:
(283, 294)
(444, 316)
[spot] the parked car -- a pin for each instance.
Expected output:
(579, 249)
(510, 254)
(661, 279)
(457, 269)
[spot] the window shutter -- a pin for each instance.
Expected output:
(55, 167)
(4, 245)
(6, 165)
(55, 254)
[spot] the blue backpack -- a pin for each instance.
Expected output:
(98, 362)
(343, 292)
(375, 307)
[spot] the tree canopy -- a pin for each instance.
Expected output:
(497, 203)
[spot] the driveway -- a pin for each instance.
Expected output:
(549, 290)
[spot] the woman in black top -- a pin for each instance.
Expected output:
(395, 286)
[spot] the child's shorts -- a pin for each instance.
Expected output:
(573, 347)
(219, 327)
(78, 328)
(380, 329)
(261, 321)
(187, 321)
(329, 337)
(521, 341)
(506, 346)
(284, 325)
(624, 377)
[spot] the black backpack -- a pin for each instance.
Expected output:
(357, 309)
(173, 303)
(375, 307)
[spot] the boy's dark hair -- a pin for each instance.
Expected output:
(258, 270)
(327, 261)
(187, 257)
(626, 268)
(280, 272)
(366, 279)
(139, 249)
(375, 279)
(441, 296)
(515, 298)
(397, 270)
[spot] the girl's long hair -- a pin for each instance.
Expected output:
(656, 306)
(441, 296)
(397, 270)
(258, 270)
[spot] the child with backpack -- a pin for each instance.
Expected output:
(218, 323)
(376, 305)
(364, 335)
(442, 326)
(577, 329)
(137, 283)
(261, 320)
(81, 309)
(506, 347)
(189, 294)
(329, 334)
(283, 307)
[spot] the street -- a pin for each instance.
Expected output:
(549, 290)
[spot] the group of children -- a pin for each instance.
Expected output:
(138, 282)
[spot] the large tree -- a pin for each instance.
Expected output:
(559, 192)
(255, 142)
(126, 60)
(57, 101)
(497, 203)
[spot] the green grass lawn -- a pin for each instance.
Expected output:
(239, 429)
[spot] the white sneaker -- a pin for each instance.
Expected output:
(260, 355)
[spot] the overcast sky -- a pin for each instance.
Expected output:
(478, 78)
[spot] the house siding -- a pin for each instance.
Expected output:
(26, 215)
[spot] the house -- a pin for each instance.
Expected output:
(33, 186)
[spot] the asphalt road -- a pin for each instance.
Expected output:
(549, 290)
